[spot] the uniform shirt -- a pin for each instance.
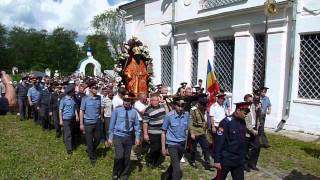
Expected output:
(77, 98)
(230, 142)
(106, 104)
(154, 117)
(198, 121)
(218, 112)
(22, 91)
(45, 97)
(54, 102)
(176, 127)
(117, 101)
(118, 123)
(34, 92)
(91, 106)
(67, 105)
(265, 104)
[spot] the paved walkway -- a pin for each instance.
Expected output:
(296, 135)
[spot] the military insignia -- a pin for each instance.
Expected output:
(220, 131)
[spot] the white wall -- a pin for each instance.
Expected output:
(304, 114)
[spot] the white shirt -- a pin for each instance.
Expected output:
(117, 101)
(138, 105)
(218, 112)
(106, 103)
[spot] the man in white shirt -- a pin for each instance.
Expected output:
(217, 112)
(118, 99)
(106, 106)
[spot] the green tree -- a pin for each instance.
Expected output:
(62, 50)
(3, 43)
(111, 24)
(100, 50)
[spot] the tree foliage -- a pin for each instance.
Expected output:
(31, 49)
(100, 50)
(111, 23)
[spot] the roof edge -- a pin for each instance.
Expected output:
(132, 4)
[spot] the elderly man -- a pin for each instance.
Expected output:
(22, 91)
(152, 123)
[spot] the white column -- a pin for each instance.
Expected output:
(205, 53)
(243, 62)
(276, 70)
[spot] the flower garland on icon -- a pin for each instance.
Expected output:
(122, 61)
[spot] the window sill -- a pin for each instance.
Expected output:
(307, 101)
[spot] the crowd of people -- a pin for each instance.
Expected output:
(163, 123)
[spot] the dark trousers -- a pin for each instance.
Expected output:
(55, 116)
(121, 165)
(92, 139)
(67, 133)
(44, 116)
(237, 172)
(22, 103)
(176, 152)
(202, 140)
(35, 113)
(263, 137)
(155, 157)
(30, 111)
(253, 151)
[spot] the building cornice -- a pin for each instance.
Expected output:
(133, 4)
(238, 12)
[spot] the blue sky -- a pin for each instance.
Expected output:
(49, 14)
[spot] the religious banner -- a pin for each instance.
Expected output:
(134, 69)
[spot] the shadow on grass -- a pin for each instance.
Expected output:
(296, 175)
(135, 164)
(312, 152)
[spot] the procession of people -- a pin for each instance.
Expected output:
(165, 124)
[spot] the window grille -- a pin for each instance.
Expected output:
(309, 67)
(166, 65)
(259, 63)
(194, 63)
(223, 63)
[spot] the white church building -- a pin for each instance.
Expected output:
(231, 35)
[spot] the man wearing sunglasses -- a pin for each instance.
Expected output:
(230, 143)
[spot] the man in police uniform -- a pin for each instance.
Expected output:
(123, 129)
(230, 143)
(265, 110)
(198, 130)
(44, 103)
(67, 116)
(90, 114)
(33, 97)
(173, 138)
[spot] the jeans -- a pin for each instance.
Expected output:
(22, 102)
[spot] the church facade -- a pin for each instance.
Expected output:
(183, 35)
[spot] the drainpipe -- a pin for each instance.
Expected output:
(172, 40)
(286, 115)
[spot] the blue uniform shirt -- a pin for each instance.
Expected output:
(34, 93)
(176, 127)
(91, 106)
(230, 142)
(118, 123)
(67, 105)
(265, 104)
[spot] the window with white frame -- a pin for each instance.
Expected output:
(309, 67)
(259, 63)
(223, 62)
(166, 65)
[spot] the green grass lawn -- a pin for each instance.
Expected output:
(28, 152)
